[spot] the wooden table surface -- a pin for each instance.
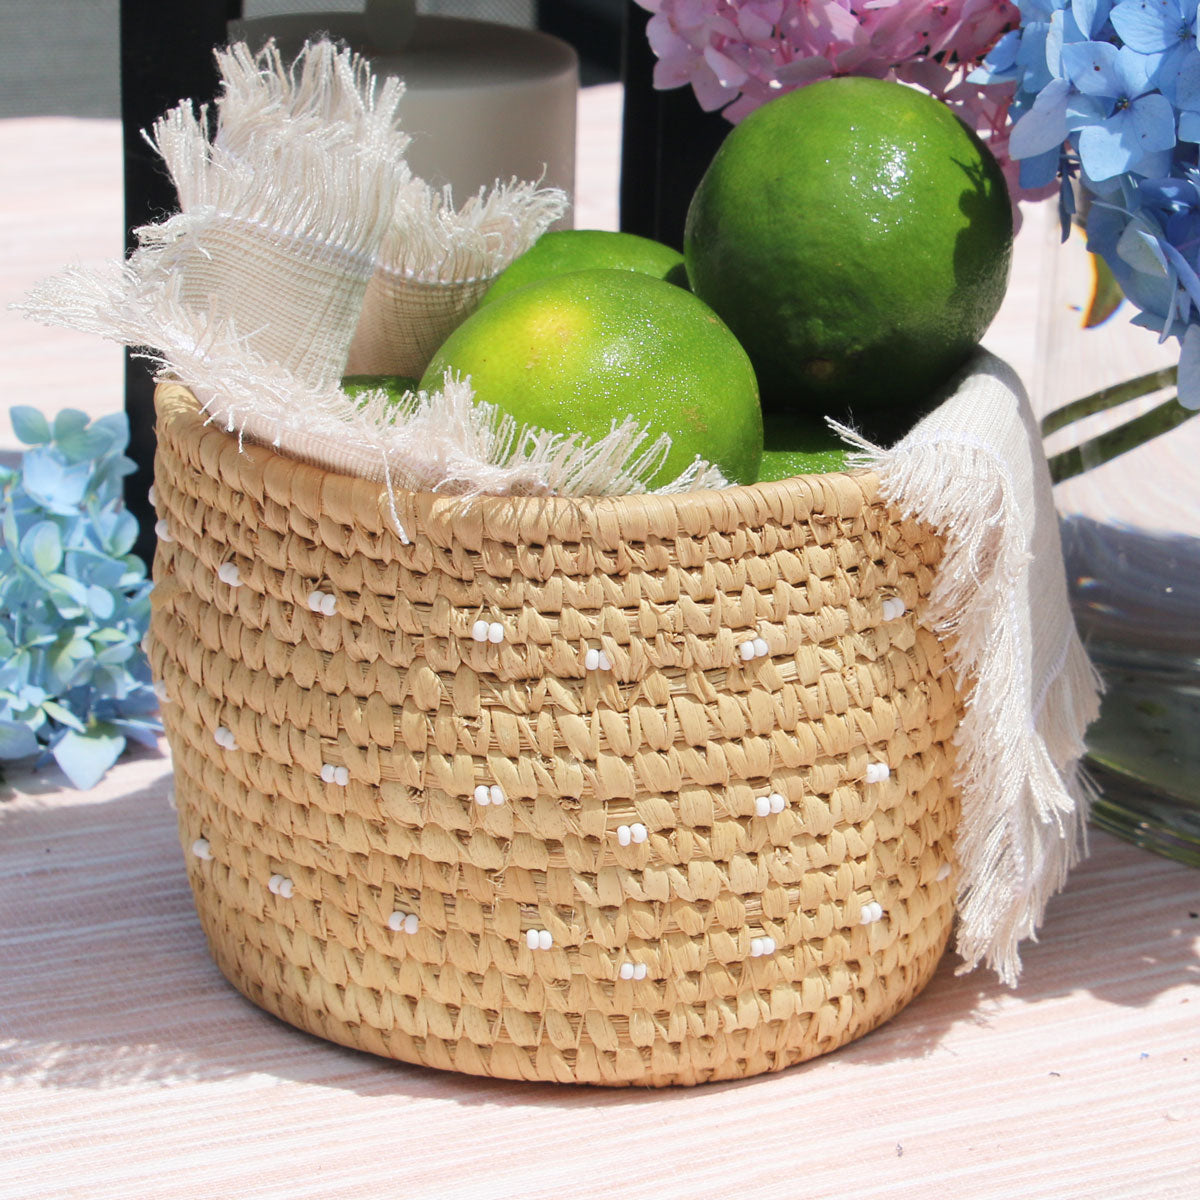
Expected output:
(129, 1068)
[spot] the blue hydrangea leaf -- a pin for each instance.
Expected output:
(143, 732)
(1189, 369)
(1151, 293)
(56, 487)
(17, 740)
(41, 547)
(1148, 320)
(108, 637)
(100, 601)
(1184, 271)
(17, 673)
(1044, 126)
(1139, 248)
(106, 573)
(116, 654)
(1002, 57)
(69, 421)
(1167, 193)
(1092, 68)
(8, 524)
(1040, 171)
(1090, 15)
(122, 534)
(1147, 25)
(143, 702)
(116, 425)
(103, 439)
(80, 444)
(71, 587)
(65, 657)
(30, 426)
(64, 716)
(85, 757)
(107, 684)
(1187, 87)
(81, 676)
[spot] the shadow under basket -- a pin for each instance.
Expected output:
(639, 790)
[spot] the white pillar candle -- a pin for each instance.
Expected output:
(482, 101)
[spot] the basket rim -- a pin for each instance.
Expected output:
(367, 503)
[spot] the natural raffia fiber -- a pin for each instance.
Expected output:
(755, 928)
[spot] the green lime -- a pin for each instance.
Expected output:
(577, 352)
(394, 385)
(564, 250)
(856, 237)
(794, 446)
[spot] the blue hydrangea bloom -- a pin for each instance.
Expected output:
(1163, 31)
(1108, 99)
(1119, 118)
(74, 600)
(1187, 100)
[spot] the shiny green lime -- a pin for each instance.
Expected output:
(575, 353)
(563, 250)
(856, 237)
(394, 385)
(794, 446)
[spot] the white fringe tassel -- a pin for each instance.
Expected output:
(975, 471)
(327, 94)
(433, 242)
(435, 265)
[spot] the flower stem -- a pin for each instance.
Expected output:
(1115, 442)
(1106, 398)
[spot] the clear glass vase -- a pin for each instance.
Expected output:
(1131, 541)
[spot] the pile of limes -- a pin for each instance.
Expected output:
(847, 248)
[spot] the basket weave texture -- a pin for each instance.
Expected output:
(526, 797)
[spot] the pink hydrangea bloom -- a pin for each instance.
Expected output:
(737, 56)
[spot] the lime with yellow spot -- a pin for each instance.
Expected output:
(856, 236)
(563, 250)
(575, 353)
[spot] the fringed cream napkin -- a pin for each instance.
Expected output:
(283, 212)
(974, 469)
(435, 264)
(252, 294)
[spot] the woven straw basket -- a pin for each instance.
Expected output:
(645, 790)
